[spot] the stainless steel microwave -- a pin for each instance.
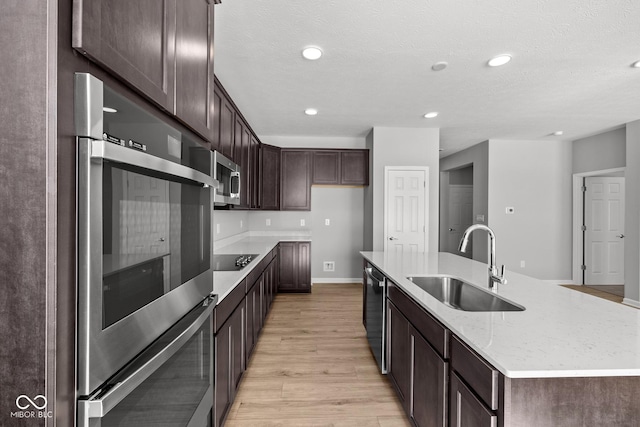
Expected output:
(227, 174)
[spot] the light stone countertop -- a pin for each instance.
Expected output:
(562, 332)
(248, 243)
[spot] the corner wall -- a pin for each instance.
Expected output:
(402, 147)
(535, 178)
(632, 215)
(478, 156)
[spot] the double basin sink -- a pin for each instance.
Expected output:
(461, 295)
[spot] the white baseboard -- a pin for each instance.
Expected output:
(631, 302)
(336, 280)
(555, 282)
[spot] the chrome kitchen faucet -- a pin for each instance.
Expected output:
(494, 277)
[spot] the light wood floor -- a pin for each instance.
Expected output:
(597, 292)
(312, 367)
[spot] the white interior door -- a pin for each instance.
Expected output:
(604, 234)
(405, 209)
(459, 216)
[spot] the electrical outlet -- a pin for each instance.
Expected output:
(329, 266)
(217, 228)
(522, 264)
(268, 222)
(241, 224)
(302, 223)
(327, 221)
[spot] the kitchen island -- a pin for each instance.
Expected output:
(567, 359)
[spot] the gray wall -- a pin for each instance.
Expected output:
(632, 214)
(535, 178)
(343, 239)
(402, 147)
(478, 156)
(600, 152)
(463, 176)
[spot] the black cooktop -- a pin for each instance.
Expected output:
(231, 262)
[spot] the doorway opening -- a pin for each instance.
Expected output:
(456, 208)
(598, 229)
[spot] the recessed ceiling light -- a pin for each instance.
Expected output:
(311, 111)
(558, 133)
(499, 60)
(312, 53)
(636, 64)
(109, 110)
(439, 66)
(431, 115)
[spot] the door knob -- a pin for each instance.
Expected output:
(452, 229)
(620, 236)
(393, 238)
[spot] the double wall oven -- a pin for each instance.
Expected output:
(145, 276)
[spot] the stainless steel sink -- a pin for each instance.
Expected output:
(461, 295)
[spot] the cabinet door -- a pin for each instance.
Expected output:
(133, 39)
(354, 167)
(288, 266)
(217, 106)
(237, 332)
(399, 356)
(194, 65)
(304, 266)
(255, 165)
(242, 147)
(326, 167)
(428, 405)
(270, 183)
(295, 193)
(250, 333)
(222, 373)
(227, 121)
(465, 409)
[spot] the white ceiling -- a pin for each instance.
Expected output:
(571, 67)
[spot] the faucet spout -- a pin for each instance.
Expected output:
(494, 276)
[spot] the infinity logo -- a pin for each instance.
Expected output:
(30, 402)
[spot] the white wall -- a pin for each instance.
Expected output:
(402, 147)
(632, 215)
(535, 178)
(600, 152)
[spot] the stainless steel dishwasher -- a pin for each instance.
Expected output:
(376, 314)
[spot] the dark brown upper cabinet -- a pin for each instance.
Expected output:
(226, 128)
(295, 190)
(163, 49)
(354, 167)
(326, 167)
(340, 167)
(255, 173)
(194, 65)
(133, 39)
(270, 182)
(242, 148)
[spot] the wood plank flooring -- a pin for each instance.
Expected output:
(312, 367)
(596, 292)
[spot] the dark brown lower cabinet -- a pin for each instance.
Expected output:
(222, 374)
(237, 332)
(399, 352)
(251, 332)
(295, 267)
(466, 409)
(429, 378)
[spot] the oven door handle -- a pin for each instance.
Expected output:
(108, 151)
(105, 399)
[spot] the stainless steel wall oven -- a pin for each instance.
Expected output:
(145, 203)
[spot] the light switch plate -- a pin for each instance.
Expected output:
(302, 223)
(327, 221)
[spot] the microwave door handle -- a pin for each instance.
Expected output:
(235, 175)
(108, 151)
(99, 407)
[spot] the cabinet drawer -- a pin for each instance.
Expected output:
(227, 305)
(435, 333)
(466, 409)
(478, 374)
